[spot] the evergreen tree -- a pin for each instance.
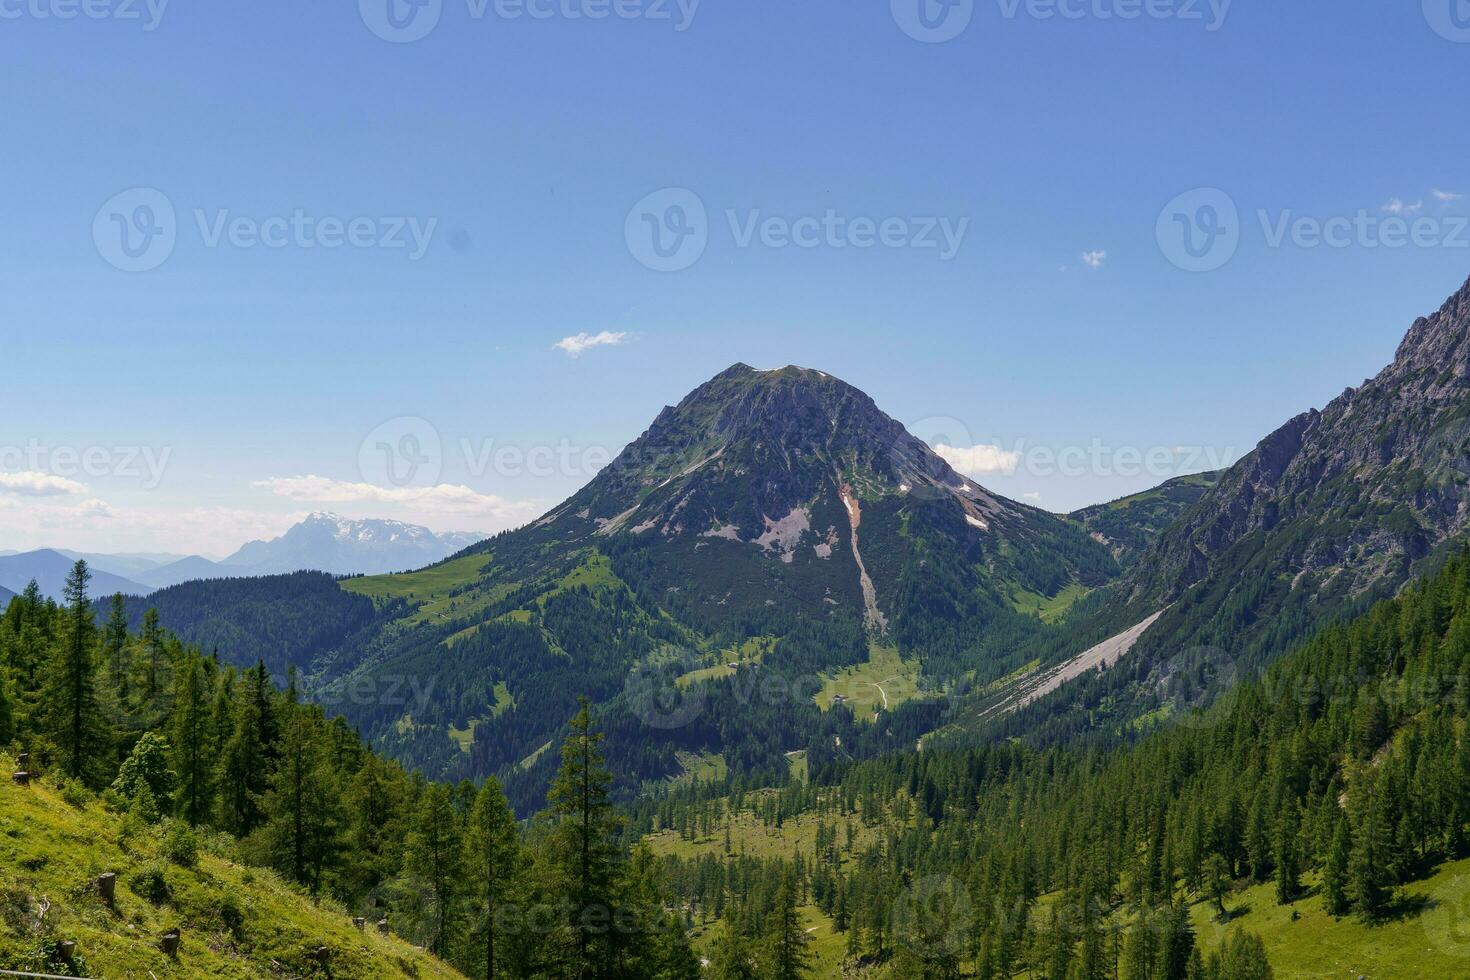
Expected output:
(787, 956)
(153, 655)
(1335, 870)
(433, 853)
(731, 958)
(304, 805)
(1242, 956)
(1287, 854)
(243, 775)
(74, 720)
(493, 865)
(1176, 946)
(1368, 876)
(193, 741)
(115, 643)
(582, 853)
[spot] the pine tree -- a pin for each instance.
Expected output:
(153, 655)
(433, 853)
(582, 852)
(115, 643)
(243, 776)
(787, 956)
(1368, 877)
(1177, 943)
(1335, 870)
(1242, 956)
(74, 720)
(304, 804)
(493, 864)
(1287, 854)
(731, 959)
(193, 741)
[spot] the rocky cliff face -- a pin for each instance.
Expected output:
(1336, 505)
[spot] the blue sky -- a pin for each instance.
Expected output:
(520, 148)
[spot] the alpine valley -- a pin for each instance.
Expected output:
(824, 706)
(775, 564)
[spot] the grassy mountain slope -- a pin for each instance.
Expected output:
(234, 921)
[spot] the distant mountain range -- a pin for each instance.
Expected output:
(342, 546)
(322, 542)
(49, 569)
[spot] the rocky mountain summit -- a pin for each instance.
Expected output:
(1337, 505)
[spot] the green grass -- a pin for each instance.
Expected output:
(1048, 609)
(701, 767)
(51, 851)
(465, 737)
(438, 593)
(752, 651)
(1429, 936)
(594, 573)
(826, 946)
(750, 836)
(884, 679)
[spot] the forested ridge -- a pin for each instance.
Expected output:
(1339, 777)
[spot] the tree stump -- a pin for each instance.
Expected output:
(322, 955)
(23, 761)
(66, 949)
(107, 887)
(383, 926)
(359, 923)
(21, 778)
(170, 942)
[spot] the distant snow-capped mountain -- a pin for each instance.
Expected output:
(343, 546)
(322, 542)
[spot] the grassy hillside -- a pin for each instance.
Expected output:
(1427, 936)
(234, 921)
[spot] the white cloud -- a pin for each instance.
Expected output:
(1033, 497)
(1094, 260)
(1445, 197)
(1397, 206)
(581, 343)
(95, 525)
(32, 484)
(977, 460)
(419, 503)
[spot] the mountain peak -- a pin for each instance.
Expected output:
(1436, 338)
